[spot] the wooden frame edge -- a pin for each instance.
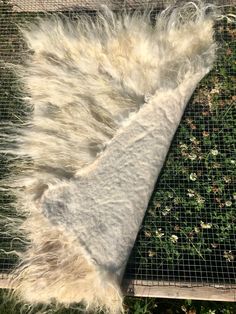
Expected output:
(179, 290)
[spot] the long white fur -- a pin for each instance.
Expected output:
(82, 80)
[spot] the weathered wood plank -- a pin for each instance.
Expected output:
(179, 290)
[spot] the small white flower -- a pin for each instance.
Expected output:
(174, 238)
(229, 256)
(214, 152)
(159, 233)
(191, 193)
(215, 91)
(234, 196)
(200, 200)
(196, 229)
(158, 205)
(227, 179)
(183, 146)
(147, 234)
(205, 225)
(192, 156)
(151, 253)
(193, 176)
(170, 195)
(228, 203)
(166, 211)
(232, 162)
(193, 139)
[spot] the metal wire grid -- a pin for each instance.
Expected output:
(188, 234)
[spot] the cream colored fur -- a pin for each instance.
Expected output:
(84, 80)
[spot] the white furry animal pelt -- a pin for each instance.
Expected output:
(107, 94)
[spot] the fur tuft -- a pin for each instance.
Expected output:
(56, 268)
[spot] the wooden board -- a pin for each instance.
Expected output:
(179, 290)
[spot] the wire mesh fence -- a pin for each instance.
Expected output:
(188, 234)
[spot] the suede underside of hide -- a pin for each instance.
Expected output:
(107, 94)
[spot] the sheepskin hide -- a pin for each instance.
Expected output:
(107, 95)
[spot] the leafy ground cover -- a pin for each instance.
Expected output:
(189, 230)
